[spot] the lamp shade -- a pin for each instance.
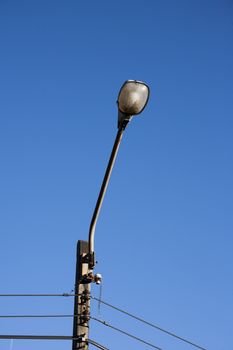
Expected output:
(133, 97)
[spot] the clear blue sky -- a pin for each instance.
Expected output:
(164, 239)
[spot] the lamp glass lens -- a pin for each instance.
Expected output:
(133, 97)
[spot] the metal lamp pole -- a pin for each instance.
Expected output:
(132, 99)
(103, 189)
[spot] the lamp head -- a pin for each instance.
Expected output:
(132, 99)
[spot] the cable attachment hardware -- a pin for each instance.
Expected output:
(81, 339)
(87, 278)
(84, 297)
(98, 278)
(84, 318)
(91, 278)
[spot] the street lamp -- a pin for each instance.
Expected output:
(132, 99)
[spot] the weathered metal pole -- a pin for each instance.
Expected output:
(103, 191)
(82, 298)
(85, 261)
(132, 99)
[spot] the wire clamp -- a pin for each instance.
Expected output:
(91, 278)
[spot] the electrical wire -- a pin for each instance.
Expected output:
(149, 324)
(92, 342)
(50, 337)
(70, 316)
(40, 295)
(64, 337)
(38, 337)
(38, 316)
(126, 333)
(109, 305)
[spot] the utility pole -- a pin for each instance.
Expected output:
(132, 99)
(82, 298)
(83, 279)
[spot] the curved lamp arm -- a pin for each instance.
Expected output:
(132, 99)
(103, 191)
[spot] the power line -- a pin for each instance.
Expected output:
(37, 337)
(50, 337)
(149, 324)
(40, 295)
(126, 333)
(67, 337)
(109, 305)
(38, 316)
(92, 342)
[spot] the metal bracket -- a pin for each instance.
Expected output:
(91, 278)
